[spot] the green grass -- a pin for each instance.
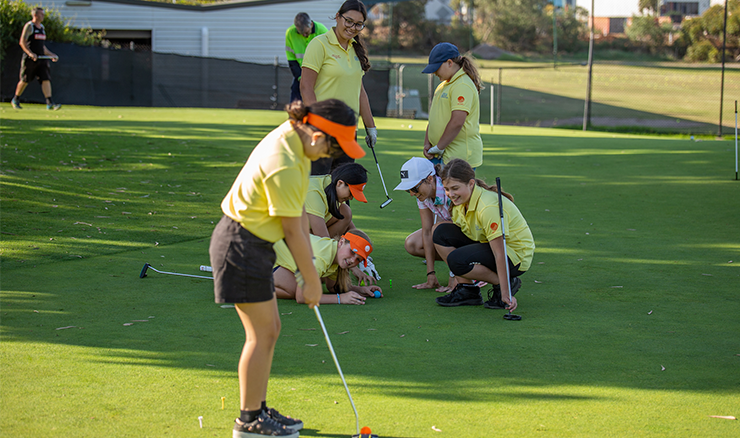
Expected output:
(629, 312)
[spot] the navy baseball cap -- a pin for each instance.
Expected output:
(439, 54)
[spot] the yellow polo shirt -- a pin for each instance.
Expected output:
(316, 202)
(272, 184)
(459, 93)
(481, 220)
(324, 252)
(339, 71)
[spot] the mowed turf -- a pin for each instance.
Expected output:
(630, 311)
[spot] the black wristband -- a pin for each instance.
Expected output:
(431, 272)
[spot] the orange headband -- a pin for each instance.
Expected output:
(344, 134)
(359, 246)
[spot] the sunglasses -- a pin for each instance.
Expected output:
(359, 25)
(415, 190)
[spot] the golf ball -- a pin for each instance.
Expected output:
(377, 294)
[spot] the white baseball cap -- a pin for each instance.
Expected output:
(413, 171)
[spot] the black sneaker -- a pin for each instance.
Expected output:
(262, 426)
(494, 295)
(463, 295)
(290, 423)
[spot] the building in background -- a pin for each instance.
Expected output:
(250, 30)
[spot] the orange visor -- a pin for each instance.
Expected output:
(359, 246)
(344, 134)
(357, 191)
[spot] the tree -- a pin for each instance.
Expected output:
(650, 5)
(647, 30)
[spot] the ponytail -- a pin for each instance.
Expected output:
(350, 173)
(467, 65)
(361, 53)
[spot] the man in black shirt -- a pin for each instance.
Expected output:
(32, 42)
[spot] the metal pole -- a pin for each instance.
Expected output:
(554, 36)
(500, 92)
(722, 87)
(492, 93)
(274, 97)
(587, 104)
(399, 93)
(736, 140)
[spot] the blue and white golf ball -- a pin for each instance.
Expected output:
(377, 294)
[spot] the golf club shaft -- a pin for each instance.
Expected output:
(503, 235)
(181, 275)
(336, 362)
(380, 173)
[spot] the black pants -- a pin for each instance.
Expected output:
(468, 252)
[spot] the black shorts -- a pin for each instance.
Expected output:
(31, 70)
(242, 264)
(469, 252)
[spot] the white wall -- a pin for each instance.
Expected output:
(246, 33)
(628, 8)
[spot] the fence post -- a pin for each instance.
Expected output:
(722, 92)
(492, 93)
(274, 97)
(400, 95)
(500, 92)
(587, 104)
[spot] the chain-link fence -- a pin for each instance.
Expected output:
(125, 77)
(635, 97)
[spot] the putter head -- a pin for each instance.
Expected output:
(385, 204)
(512, 317)
(143, 270)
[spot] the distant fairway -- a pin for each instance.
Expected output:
(666, 97)
(630, 310)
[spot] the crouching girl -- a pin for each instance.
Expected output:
(472, 245)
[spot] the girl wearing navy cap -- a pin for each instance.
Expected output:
(453, 130)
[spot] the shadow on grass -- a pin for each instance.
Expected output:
(611, 218)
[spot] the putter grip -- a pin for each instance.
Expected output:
(500, 204)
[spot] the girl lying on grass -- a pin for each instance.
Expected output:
(333, 261)
(473, 244)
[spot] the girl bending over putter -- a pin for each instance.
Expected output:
(264, 205)
(333, 260)
(329, 214)
(472, 245)
(419, 178)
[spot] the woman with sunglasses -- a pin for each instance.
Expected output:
(419, 178)
(264, 205)
(333, 67)
(333, 259)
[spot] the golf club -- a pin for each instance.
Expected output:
(509, 316)
(336, 362)
(389, 200)
(147, 266)
(44, 57)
